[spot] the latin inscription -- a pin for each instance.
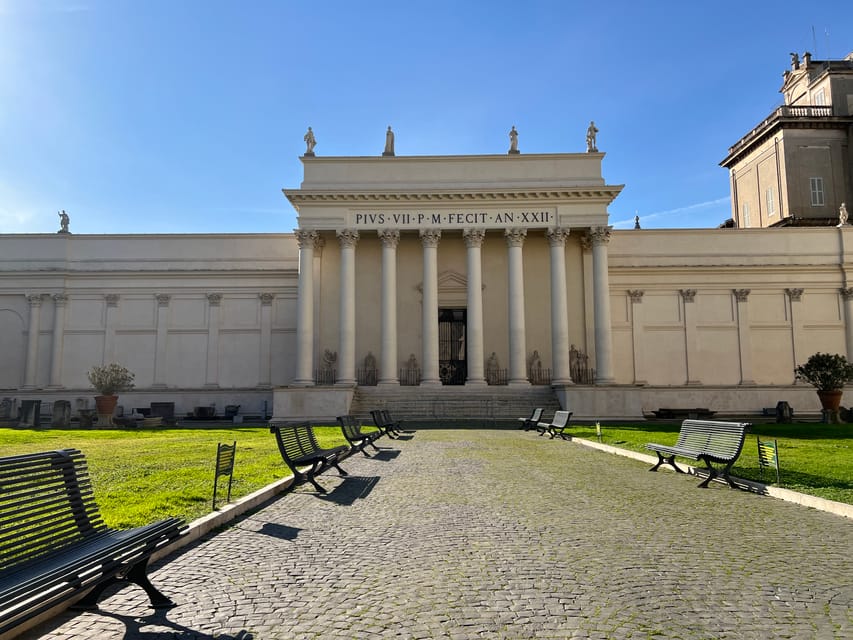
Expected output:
(453, 219)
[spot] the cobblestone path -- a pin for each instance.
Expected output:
(467, 534)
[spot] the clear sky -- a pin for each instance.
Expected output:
(187, 116)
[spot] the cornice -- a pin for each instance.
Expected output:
(604, 194)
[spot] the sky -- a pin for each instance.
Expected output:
(188, 116)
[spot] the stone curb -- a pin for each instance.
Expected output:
(821, 504)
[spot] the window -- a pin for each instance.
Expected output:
(816, 185)
(820, 97)
(745, 209)
(771, 206)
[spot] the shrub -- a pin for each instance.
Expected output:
(825, 371)
(110, 379)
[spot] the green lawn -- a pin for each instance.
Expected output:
(141, 475)
(816, 459)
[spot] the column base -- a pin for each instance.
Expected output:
(694, 383)
(562, 382)
(747, 383)
(519, 383)
(30, 387)
(393, 382)
(479, 382)
(55, 386)
(605, 381)
(302, 383)
(430, 383)
(210, 385)
(345, 382)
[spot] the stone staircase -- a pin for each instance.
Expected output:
(455, 406)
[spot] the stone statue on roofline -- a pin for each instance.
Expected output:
(389, 143)
(310, 142)
(591, 132)
(513, 141)
(63, 222)
(842, 215)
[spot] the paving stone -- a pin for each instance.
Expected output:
(471, 534)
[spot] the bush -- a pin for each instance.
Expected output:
(110, 379)
(825, 371)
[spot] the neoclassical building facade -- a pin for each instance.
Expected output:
(431, 274)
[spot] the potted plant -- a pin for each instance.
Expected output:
(109, 380)
(828, 373)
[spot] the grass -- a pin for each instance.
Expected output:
(142, 475)
(146, 474)
(816, 459)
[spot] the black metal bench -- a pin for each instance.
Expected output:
(357, 438)
(557, 425)
(55, 546)
(298, 446)
(387, 425)
(532, 420)
(710, 441)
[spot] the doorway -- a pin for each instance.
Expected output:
(452, 365)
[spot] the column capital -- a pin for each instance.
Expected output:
(162, 299)
(794, 294)
(112, 299)
(347, 237)
(557, 236)
(599, 235)
(34, 299)
(59, 299)
(515, 237)
(306, 239)
(846, 293)
(687, 294)
(741, 294)
(213, 299)
(390, 237)
(636, 295)
(266, 298)
(430, 237)
(474, 237)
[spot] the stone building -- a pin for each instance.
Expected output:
(796, 166)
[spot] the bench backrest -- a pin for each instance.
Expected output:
(536, 416)
(723, 440)
(295, 440)
(378, 418)
(46, 502)
(561, 418)
(350, 426)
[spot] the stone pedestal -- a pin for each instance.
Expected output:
(61, 417)
(30, 413)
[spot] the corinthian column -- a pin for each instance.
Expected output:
(388, 357)
(305, 309)
(600, 236)
(211, 375)
(517, 341)
(31, 370)
(346, 348)
(559, 307)
(59, 301)
(429, 240)
(474, 241)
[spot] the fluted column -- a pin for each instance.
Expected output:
(744, 336)
(31, 371)
(265, 356)
(474, 339)
(388, 358)
(847, 297)
(515, 288)
(59, 302)
(211, 375)
(559, 308)
(429, 373)
(305, 309)
(600, 236)
(346, 348)
(161, 341)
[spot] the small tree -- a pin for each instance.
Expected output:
(825, 371)
(110, 379)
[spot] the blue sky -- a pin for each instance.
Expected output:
(187, 116)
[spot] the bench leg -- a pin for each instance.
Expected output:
(712, 473)
(138, 574)
(670, 460)
(341, 471)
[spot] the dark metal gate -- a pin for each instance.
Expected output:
(452, 367)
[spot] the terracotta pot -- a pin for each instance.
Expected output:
(106, 406)
(830, 400)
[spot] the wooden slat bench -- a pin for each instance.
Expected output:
(532, 420)
(358, 439)
(54, 544)
(712, 442)
(298, 446)
(557, 425)
(387, 425)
